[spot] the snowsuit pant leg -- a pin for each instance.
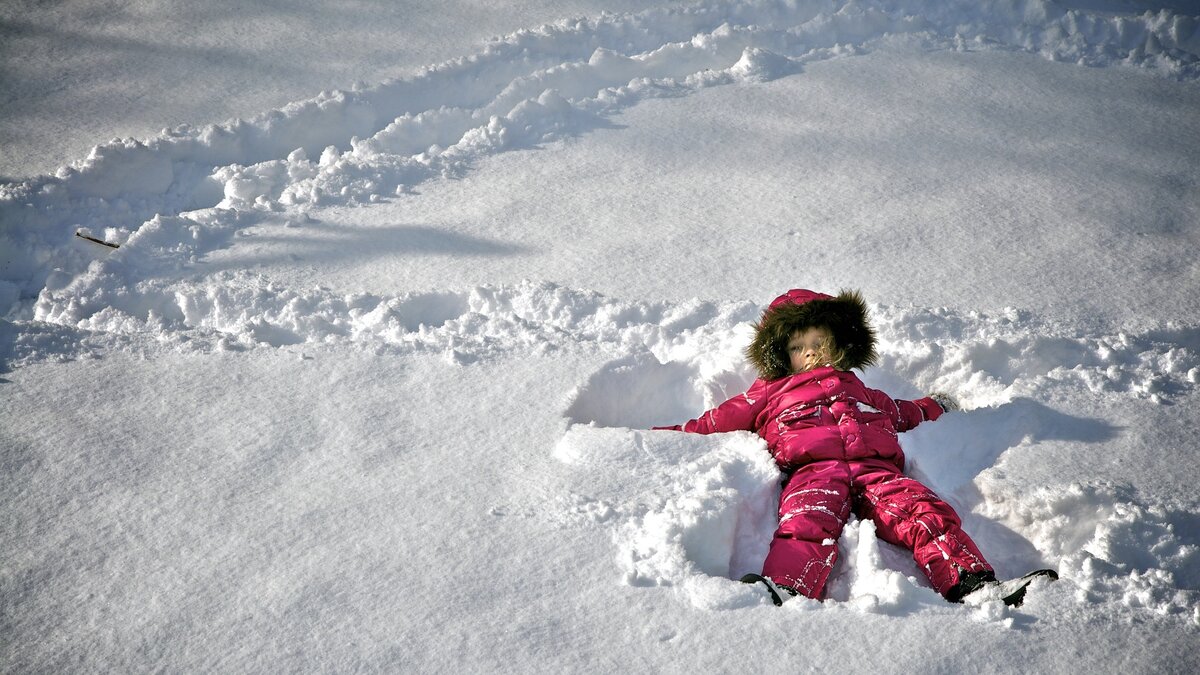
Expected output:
(908, 514)
(813, 508)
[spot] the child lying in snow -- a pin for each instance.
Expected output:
(836, 441)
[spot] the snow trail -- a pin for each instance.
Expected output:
(532, 87)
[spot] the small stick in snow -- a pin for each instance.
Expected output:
(109, 244)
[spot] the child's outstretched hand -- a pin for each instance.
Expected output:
(948, 402)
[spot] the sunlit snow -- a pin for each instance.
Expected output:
(368, 383)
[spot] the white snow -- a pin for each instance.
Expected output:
(368, 383)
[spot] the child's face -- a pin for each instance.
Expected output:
(809, 348)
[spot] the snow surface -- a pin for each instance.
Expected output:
(365, 386)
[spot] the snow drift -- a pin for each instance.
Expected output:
(529, 88)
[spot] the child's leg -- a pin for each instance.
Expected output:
(813, 508)
(907, 513)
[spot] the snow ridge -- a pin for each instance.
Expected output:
(532, 87)
(995, 357)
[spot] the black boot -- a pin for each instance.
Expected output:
(969, 582)
(779, 592)
(1011, 592)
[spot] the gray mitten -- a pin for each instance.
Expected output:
(946, 401)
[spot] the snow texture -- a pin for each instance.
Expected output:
(368, 383)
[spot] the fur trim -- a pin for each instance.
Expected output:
(845, 316)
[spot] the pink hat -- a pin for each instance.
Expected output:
(798, 296)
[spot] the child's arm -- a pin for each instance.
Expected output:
(736, 414)
(905, 414)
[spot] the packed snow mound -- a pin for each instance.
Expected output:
(701, 518)
(1113, 546)
(529, 88)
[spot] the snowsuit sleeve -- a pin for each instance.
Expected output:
(905, 414)
(736, 414)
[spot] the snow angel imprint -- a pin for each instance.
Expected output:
(836, 441)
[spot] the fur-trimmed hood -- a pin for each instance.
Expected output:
(845, 316)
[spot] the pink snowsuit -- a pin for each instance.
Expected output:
(836, 440)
